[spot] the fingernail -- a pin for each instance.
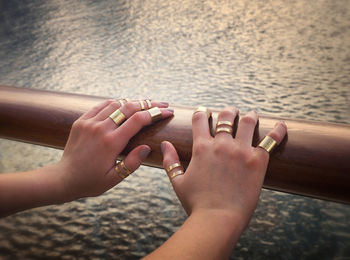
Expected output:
(165, 103)
(144, 153)
(162, 147)
(170, 110)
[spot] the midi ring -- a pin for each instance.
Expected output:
(268, 143)
(203, 109)
(142, 105)
(149, 104)
(155, 114)
(123, 174)
(117, 116)
(121, 102)
(224, 129)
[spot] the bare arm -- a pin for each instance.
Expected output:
(87, 167)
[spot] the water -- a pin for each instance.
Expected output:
(283, 58)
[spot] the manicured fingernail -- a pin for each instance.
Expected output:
(165, 103)
(170, 110)
(162, 147)
(144, 152)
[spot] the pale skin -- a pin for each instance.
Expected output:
(87, 167)
(219, 190)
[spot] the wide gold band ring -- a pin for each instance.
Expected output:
(155, 114)
(203, 109)
(173, 166)
(142, 105)
(176, 173)
(118, 117)
(122, 170)
(149, 104)
(224, 129)
(268, 144)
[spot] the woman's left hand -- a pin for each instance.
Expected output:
(87, 167)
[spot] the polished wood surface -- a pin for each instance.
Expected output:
(314, 159)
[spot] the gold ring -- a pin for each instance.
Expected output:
(223, 129)
(203, 109)
(177, 173)
(173, 166)
(149, 104)
(142, 105)
(268, 143)
(121, 174)
(229, 123)
(155, 114)
(122, 102)
(118, 117)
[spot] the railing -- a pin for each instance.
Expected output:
(314, 159)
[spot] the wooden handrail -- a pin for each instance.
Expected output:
(314, 159)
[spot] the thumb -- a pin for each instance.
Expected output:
(171, 164)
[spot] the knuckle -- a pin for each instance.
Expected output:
(254, 161)
(107, 140)
(199, 146)
(114, 104)
(221, 148)
(129, 106)
(227, 113)
(138, 118)
(197, 116)
(249, 120)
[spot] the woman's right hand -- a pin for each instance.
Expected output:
(225, 174)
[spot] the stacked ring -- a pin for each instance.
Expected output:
(203, 109)
(268, 143)
(117, 116)
(220, 128)
(122, 174)
(175, 173)
(155, 114)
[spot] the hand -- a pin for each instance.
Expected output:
(225, 174)
(87, 167)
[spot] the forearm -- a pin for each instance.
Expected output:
(24, 190)
(204, 235)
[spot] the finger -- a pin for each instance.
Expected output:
(127, 109)
(200, 124)
(277, 133)
(96, 109)
(171, 163)
(224, 126)
(246, 127)
(131, 163)
(135, 123)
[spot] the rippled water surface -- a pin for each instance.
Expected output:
(283, 58)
